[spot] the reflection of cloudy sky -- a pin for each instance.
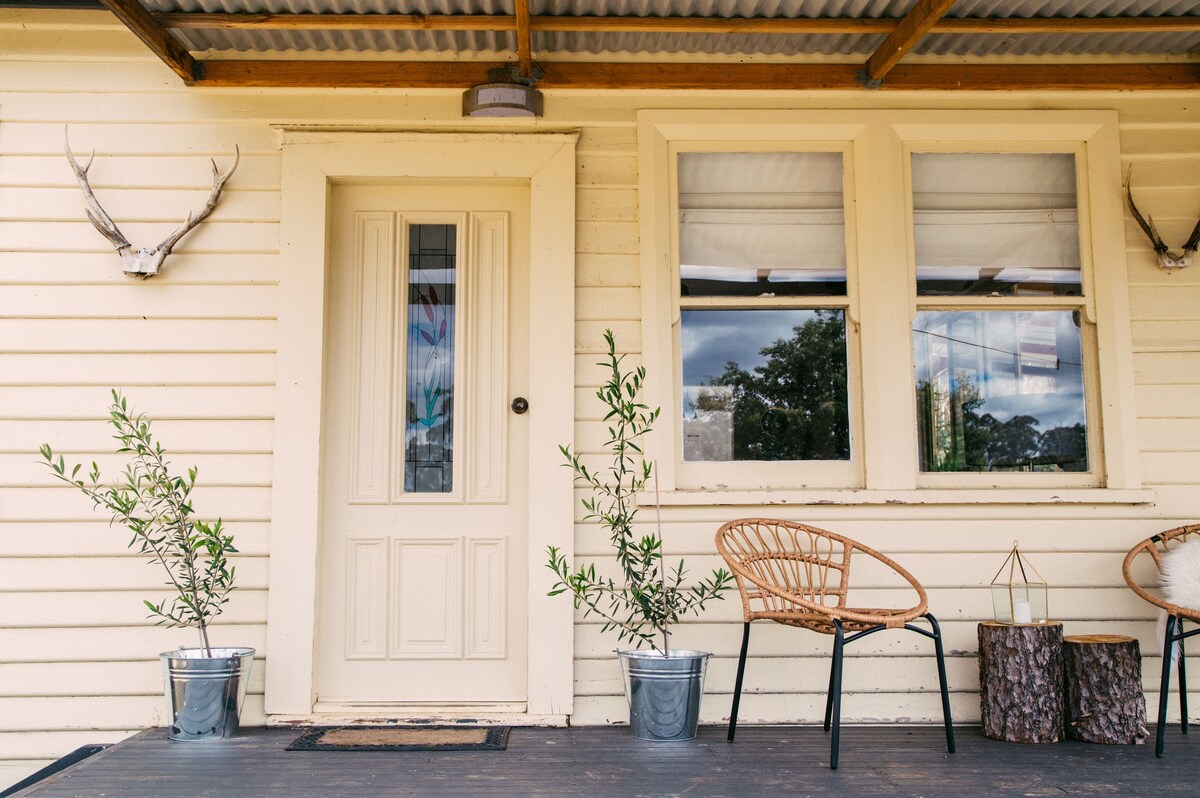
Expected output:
(1022, 362)
(711, 338)
(1060, 409)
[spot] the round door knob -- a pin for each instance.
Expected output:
(520, 405)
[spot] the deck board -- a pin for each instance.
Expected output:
(599, 762)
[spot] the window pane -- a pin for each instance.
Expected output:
(755, 223)
(429, 432)
(1000, 391)
(764, 385)
(995, 223)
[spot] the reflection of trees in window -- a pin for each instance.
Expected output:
(955, 436)
(793, 406)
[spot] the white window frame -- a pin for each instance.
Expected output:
(758, 475)
(877, 147)
(1085, 304)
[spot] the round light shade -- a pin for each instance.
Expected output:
(502, 99)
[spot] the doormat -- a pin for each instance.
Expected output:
(402, 738)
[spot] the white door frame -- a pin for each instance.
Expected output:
(312, 163)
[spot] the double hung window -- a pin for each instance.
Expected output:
(764, 358)
(886, 302)
(998, 334)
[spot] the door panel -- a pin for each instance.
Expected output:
(424, 468)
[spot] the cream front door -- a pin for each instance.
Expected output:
(423, 556)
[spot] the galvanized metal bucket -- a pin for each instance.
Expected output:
(205, 693)
(664, 692)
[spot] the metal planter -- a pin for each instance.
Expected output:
(664, 693)
(205, 693)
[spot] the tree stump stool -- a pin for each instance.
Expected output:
(1103, 686)
(1020, 681)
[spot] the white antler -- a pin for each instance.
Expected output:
(95, 213)
(143, 262)
(218, 183)
(1167, 260)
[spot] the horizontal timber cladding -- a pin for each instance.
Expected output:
(195, 348)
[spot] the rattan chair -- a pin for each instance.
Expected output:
(1155, 546)
(799, 575)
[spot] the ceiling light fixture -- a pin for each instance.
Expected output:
(505, 94)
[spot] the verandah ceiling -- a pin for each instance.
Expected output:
(366, 39)
(808, 44)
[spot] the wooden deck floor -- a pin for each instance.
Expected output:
(601, 762)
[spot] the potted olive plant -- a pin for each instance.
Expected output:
(205, 685)
(663, 685)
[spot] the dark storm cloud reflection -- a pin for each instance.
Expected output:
(711, 338)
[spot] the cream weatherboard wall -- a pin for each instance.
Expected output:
(196, 349)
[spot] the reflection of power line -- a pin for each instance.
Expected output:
(990, 348)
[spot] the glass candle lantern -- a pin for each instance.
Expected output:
(1018, 591)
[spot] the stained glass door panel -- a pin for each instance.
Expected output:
(429, 407)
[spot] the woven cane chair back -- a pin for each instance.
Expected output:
(800, 575)
(1155, 547)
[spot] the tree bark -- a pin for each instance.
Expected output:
(1103, 687)
(1020, 680)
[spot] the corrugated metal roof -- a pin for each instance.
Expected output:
(774, 44)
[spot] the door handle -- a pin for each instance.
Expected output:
(520, 405)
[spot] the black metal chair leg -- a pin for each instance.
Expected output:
(829, 693)
(737, 685)
(1183, 709)
(941, 666)
(836, 692)
(1168, 647)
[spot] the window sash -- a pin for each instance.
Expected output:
(768, 474)
(1082, 303)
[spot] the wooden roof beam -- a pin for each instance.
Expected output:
(676, 75)
(1006, 26)
(524, 46)
(567, 24)
(919, 20)
(472, 22)
(711, 25)
(143, 25)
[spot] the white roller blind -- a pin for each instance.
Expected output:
(1004, 216)
(776, 216)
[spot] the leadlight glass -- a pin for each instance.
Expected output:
(429, 428)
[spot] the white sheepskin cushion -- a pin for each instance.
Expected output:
(1181, 574)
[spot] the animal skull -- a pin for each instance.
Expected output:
(143, 262)
(1166, 260)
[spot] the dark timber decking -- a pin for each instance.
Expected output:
(596, 762)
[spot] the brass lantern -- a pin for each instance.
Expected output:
(1017, 598)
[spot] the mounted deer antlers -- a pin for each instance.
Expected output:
(143, 262)
(1166, 260)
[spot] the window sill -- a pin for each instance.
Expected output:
(919, 497)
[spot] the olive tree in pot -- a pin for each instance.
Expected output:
(663, 685)
(205, 685)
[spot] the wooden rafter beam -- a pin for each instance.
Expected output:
(713, 25)
(482, 22)
(143, 25)
(1067, 25)
(524, 45)
(472, 22)
(1046, 77)
(919, 20)
(599, 75)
